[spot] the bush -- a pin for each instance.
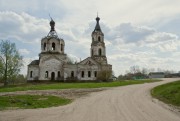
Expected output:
(104, 76)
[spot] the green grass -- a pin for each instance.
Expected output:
(31, 101)
(168, 93)
(72, 85)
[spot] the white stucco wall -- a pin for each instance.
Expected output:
(35, 72)
(78, 68)
(51, 65)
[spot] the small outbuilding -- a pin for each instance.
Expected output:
(156, 75)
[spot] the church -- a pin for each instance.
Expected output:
(53, 62)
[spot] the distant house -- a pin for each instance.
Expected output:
(114, 78)
(173, 75)
(156, 75)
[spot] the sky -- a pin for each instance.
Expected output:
(137, 32)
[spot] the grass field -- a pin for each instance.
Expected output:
(168, 93)
(31, 101)
(72, 85)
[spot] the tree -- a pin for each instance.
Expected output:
(134, 72)
(10, 61)
(104, 75)
(20, 78)
(134, 69)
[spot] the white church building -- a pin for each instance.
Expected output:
(53, 62)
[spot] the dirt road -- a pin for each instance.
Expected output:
(128, 103)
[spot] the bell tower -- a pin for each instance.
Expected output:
(98, 49)
(52, 43)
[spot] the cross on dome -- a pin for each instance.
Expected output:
(52, 31)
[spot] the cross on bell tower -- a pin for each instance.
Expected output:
(52, 30)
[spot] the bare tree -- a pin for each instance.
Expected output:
(135, 72)
(10, 61)
(134, 69)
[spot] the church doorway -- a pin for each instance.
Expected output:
(52, 76)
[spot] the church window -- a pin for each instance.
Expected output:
(93, 38)
(92, 53)
(46, 74)
(61, 47)
(99, 38)
(72, 73)
(53, 46)
(44, 46)
(31, 73)
(59, 74)
(95, 74)
(100, 52)
(89, 73)
(82, 74)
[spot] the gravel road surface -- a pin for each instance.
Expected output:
(127, 103)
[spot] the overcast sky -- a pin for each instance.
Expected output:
(137, 32)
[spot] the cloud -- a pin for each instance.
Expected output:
(160, 37)
(80, 11)
(127, 44)
(126, 35)
(74, 58)
(169, 25)
(24, 51)
(22, 27)
(143, 46)
(132, 34)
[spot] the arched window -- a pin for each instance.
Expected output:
(53, 46)
(52, 76)
(59, 74)
(89, 73)
(72, 73)
(99, 38)
(44, 46)
(100, 52)
(31, 73)
(61, 47)
(46, 74)
(92, 53)
(82, 74)
(95, 74)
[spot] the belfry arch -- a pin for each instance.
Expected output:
(53, 46)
